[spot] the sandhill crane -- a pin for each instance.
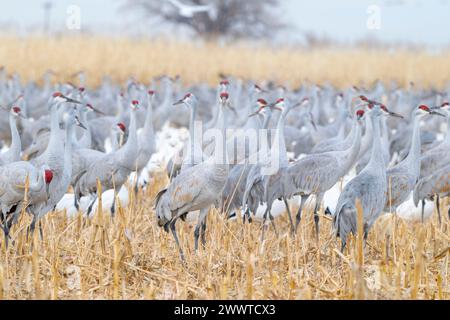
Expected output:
(146, 139)
(196, 188)
(317, 173)
(54, 153)
(113, 169)
(234, 190)
(438, 156)
(12, 189)
(403, 176)
(436, 184)
(82, 158)
(188, 11)
(101, 127)
(369, 187)
(61, 184)
(191, 153)
(13, 154)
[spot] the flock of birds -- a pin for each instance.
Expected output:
(61, 137)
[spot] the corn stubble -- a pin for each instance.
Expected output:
(130, 257)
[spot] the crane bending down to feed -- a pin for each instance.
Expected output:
(196, 188)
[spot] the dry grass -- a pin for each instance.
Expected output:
(131, 258)
(144, 59)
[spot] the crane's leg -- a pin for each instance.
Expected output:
(41, 233)
(319, 198)
(204, 233)
(89, 210)
(289, 215)
(113, 206)
(438, 209)
(298, 217)
(264, 226)
(273, 222)
(247, 216)
(136, 186)
(448, 213)
(175, 236)
(343, 243)
(75, 203)
(201, 219)
(32, 226)
(423, 209)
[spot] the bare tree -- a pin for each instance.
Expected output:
(227, 18)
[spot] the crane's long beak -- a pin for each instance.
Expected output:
(47, 189)
(393, 114)
(178, 102)
(80, 124)
(432, 112)
(71, 100)
(256, 112)
(274, 106)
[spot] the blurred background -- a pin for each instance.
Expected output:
(287, 40)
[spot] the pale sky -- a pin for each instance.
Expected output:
(419, 21)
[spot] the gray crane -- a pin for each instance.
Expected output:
(192, 151)
(402, 177)
(369, 187)
(438, 156)
(12, 189)
(61, 183)
(317, 173)
(195, 188)
(146, 139)
(13, 154)
(435, 184)
(113, 169)
(233, 193)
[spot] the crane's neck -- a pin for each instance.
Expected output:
(120, 107)
(222, 126)
(376, 157)
(194, 147)
(16, 144)
(352, 153)
(168, 93)
(56, 141)
(367, 138)
(70, 135)
(447, 135)
(115, 143)
(148, 125)
(86, 139)
(351, 135)
(414, 150)
(279, 143)
(130, 146)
